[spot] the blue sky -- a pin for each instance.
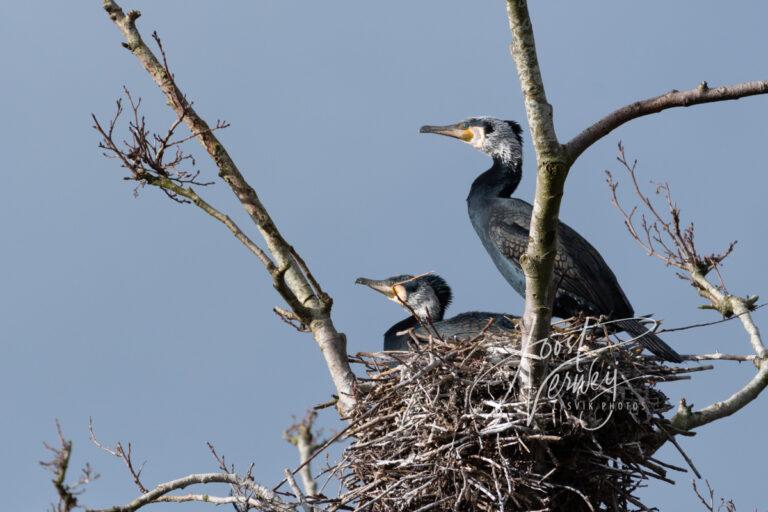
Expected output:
(152, 319)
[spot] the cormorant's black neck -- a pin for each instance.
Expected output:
(402, 325)
(395, 341)
(500, 180)
(428, 311)
(441, 312)
(423, 317)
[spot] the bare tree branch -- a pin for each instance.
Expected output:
(707, 324)
(139, 157)
(236, 501)
(294, 486)
(263, 498)
(301, 435)
(709, 501)
(662, 235)
(701, 94)
(554, 161)
(686, 418)
(246, 494)
(291, 276)
(552, 169)
(124, 455)
(718, 357)
(59, 465)
(243, 495)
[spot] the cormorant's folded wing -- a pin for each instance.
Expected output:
(580, 272)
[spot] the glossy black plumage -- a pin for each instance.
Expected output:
(426, 298)
(585, 282)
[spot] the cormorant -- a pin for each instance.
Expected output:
(585, 283)
(426, 298)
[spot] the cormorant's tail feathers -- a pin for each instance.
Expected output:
(649, 340)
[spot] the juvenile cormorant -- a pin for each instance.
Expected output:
(585, 283)
(426, 298)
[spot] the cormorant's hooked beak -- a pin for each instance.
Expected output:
(452, 130)
(393, 290)
(384, 287)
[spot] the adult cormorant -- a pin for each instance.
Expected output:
(585, 283)
(426, 298)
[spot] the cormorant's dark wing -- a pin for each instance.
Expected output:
(585, 273)
(584, 281)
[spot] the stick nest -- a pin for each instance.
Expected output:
(445, 427)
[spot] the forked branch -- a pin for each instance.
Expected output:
(59, 465)
(302, 435)
(663, 237)
(145, 156)
(662, 234)
(554, 161)
(290, 274)
(710, 502)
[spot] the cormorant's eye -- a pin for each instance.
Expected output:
(410, 286)
(464, 126)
